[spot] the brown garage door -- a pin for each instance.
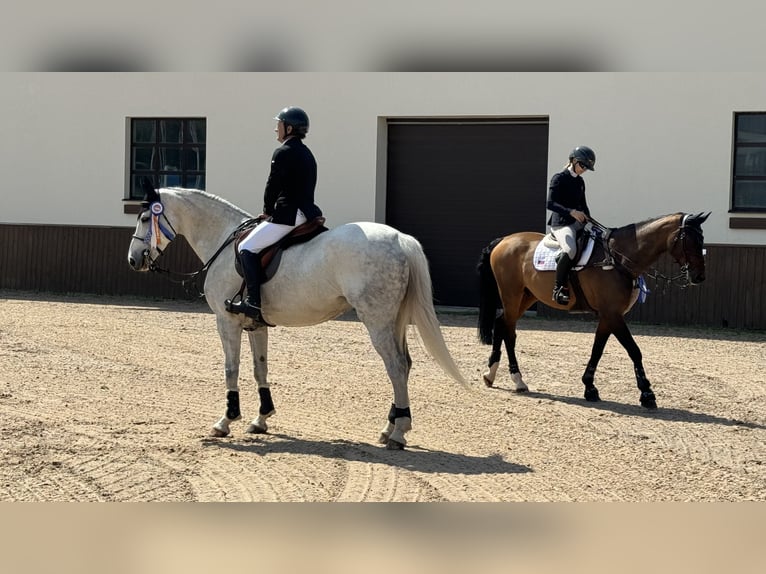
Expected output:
(456, 185)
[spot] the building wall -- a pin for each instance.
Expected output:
(663, 141)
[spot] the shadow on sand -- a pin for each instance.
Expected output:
(661, 413)
(414, 458)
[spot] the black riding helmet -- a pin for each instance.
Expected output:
(296, 117)
(585, 156)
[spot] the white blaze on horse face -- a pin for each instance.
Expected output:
(139, 244)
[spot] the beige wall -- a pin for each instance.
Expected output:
(663, 140)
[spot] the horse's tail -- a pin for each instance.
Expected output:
(489, 296)
(418, 308)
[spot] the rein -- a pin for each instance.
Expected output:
(681, 279)
(187, 279)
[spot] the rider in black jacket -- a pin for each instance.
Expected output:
(288, 201)
(569, 213)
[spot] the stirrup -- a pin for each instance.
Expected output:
(232, 305)
(607, 264)
(246, 308)
(561, 295)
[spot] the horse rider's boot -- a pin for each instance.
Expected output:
(254, 276)
(560, 289)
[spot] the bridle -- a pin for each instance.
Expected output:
(154, 237)
(682, 279)
(160, 231)
(681, 235)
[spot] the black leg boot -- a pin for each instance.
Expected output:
(560, 289)
(254, 276)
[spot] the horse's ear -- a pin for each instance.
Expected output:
(699, 218)
(150, 194)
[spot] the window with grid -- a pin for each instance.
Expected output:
(749, 173)
(171, 151)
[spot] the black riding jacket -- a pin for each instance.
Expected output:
(566, 192)
(291, 183)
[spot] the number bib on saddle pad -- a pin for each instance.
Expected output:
(547, 250)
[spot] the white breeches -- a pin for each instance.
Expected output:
(268, 233)
(566, 236)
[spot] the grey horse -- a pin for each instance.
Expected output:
(371, 267)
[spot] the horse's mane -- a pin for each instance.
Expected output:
(217, 198)
(651, 220)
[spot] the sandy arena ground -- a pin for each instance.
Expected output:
(112, 400)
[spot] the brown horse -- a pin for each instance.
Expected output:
(508, 278)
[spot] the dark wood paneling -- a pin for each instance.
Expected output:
(747, 223)
(61, 259)
(458, 186)
(64, 259)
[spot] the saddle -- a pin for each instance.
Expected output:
(272, 255)
(592, 251)
(591, 245)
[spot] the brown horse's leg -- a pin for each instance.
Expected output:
(622, 332)
(513, 365)
(498, 336)
(526, 302)
(503, 333)
(602, 336)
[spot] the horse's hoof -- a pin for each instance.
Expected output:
(648, 400)
(521, 386)
(486, 380)
(591, 395)
(394, 445)
(383, 438)
(255, 429)
(218, 433)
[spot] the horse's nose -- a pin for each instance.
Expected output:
(131, 261)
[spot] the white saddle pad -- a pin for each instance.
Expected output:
(545, 257)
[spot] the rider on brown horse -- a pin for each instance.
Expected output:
(569, 213)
